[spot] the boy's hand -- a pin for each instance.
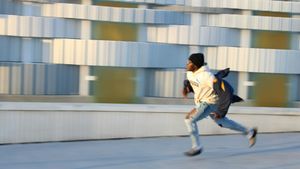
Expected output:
(185, 92)
(191, 113)
(187, 88)
(215, 115)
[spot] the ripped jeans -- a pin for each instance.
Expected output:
(203, 110)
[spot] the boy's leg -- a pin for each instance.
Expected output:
(230, 124)
(202, 111)
(194, 133)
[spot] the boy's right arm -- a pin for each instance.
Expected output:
(191, 113)
(187, 88)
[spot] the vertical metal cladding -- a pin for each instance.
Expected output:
(38, 79)
(43, 45)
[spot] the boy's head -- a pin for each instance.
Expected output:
(195, 61)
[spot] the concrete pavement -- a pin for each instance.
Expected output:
(272, 151)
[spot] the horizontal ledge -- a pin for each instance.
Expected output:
(143, 108)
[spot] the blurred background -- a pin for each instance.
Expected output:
(134, 51)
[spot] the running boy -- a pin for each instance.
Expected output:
(206, 100)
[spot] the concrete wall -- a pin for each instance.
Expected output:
(43, 122)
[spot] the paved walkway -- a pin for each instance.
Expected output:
(272, 151)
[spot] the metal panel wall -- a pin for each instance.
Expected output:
(254, 60)
(114, 14)
(14, 49)
(4, 78)
(38, 79)
(247, 22)
(164, 82)
(31, 26)
(265, 5)
(117, 53)
(194, 35)
(7, 6)
(15, 79)
(50, 33)
(137, 54)
(298, 88)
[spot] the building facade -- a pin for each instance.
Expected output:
(138, 48)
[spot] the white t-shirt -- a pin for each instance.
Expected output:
(202, 84)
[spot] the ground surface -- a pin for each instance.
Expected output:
(272, 151)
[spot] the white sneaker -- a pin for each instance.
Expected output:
(193, 152)
(252, 137)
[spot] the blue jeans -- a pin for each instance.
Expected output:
(203, 110)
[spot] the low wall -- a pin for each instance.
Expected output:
(22, 122)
